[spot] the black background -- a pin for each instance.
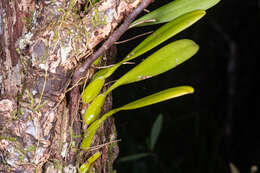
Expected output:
(216, 125)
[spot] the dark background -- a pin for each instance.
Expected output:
(216, 125)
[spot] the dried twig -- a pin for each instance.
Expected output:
(135, 37)
(108, 66)
(102, 145)
(141, 22)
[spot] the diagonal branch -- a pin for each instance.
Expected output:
(81, 70)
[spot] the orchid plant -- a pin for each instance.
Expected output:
(178, 15)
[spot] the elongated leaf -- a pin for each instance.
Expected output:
(162, 34)
(91, 131)
(94, 157)
(158, 97)
(165, 32)
(100, 74)
(133, 157)
(89, 134)
(146, 101)
(94, 109)
(172, 10)
(92, 90)
(85, 167)
(156, 129)
(161, 61)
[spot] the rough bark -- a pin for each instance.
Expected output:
(41, 44)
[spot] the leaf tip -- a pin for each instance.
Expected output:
(202, 12)
(189, 89)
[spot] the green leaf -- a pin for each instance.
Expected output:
(94, 157)
(156, 129)
(85, 167)
(92, 90)
(161, 61)
(94, 109)
(100, 74)
(89, 134)
(173, 10)
(165, 32)
(133, 157)
(146, 101)
(158, 97)
(162, 34)
(91, 131)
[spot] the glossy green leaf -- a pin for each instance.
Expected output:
(173, 10)
(161, 61)
(162, 34)
(89, 134)
(106, 72)
(85, 167)
(94, 157)
(146, 101)
(97, 83)
(156, 129)
(94, 109)
(91, 131)
(165, 32)
(158, 97)
(92, 90)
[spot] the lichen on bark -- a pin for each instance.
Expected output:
(42, 42)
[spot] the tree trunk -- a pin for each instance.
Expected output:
(42, 43)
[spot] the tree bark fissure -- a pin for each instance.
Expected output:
(41, 44)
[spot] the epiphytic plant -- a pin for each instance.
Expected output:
(180, 14)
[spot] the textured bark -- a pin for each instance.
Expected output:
(41, 44)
